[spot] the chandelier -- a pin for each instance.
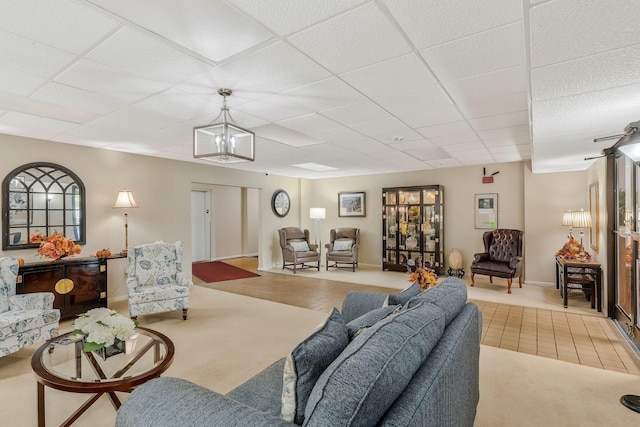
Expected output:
(223, 142)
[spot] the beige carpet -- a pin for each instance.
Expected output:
(229, 337)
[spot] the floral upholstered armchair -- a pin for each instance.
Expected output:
(156, 283)
(25, 318)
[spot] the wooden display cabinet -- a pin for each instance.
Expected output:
(413, 225)
(79, 284)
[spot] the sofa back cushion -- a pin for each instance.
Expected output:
(156, 263)
(450, 296)
(365, 380)
(8, 275)
(306, 363)
(403, 297)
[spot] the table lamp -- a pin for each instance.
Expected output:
(581, 219)
(125, 201)
(317, 214)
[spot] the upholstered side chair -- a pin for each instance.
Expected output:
(502, 256)
(343, 247)
(296, 249)
(25, 319)
(156, 282)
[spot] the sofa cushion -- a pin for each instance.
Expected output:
(306, 363)
(154, 264)
(342, 244)
(450, 296)
(15, 322)
(365, 380)
(147, 294)
(356, 326)
(300, 246)
(403, 297)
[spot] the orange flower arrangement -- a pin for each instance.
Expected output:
(37, 237)
(57, 246)
(425, 277)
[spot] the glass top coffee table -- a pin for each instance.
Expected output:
(61, 364)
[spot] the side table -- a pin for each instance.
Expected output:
(582, 270)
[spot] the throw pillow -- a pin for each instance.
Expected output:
(403, 297)
(356, 326)
(307, 362)
(342, 245)
(299, 246)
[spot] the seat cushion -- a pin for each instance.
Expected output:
(493, 268)
(145, 294)
(307, 362)
(15, 322)
(365, 380)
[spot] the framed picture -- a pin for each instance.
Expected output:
(594, 230)
(486, 211)
(351, 203)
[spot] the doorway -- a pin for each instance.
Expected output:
(201, 226)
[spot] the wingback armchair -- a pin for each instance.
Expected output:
(502, 256)
(24, 318)
(296, 249)
(156, 283)
(343, 247)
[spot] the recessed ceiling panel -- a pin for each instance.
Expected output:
(212, 29)
(325, 94)
(487, 86)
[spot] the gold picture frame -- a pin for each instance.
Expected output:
(594, 208)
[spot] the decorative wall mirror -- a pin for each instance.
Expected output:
(39, 199)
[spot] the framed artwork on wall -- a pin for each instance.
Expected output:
(351, 203)
(594, 230)
(486, 211)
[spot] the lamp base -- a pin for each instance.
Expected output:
(631, 401)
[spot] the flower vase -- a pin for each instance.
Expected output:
(108, 351)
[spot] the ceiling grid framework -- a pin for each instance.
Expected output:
(359, 86)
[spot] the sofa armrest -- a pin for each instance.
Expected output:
(480, 257)
(32, 301)
(357, 303)
(184, 279)
(176, 402)
(515, 261)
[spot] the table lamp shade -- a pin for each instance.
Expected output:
(125, 200)
(317, 213)
(567, 218)
(581, 219)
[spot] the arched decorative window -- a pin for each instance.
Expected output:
(39, 199)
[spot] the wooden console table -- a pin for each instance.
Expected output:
(590, 270)
(78, 284)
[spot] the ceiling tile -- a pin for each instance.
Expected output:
(65, 24)
(418, 99)
(396, 75)
(479, 54)
(310, 123)
(274, 108)
(386, 130)
(432, 22)
(496, 105)
(446, 129)
(33, 126)
(355, 32)
(585, 28)
(142, 54)
(324, 95)
(278, 67)
(94, 77)
(18, 82)
(447, 140)
(134, 120)
(77, 98)
(175, 102)
(487, 86)
(508, 132)
(288, 16)
(28, 56)
(608, 70)
(361, 112)
(501, 121)
(438, 116)
(211, 29)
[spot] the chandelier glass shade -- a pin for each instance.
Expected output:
(223, 142)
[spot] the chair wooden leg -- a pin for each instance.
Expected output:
(509, 285)
(354, 267)
(318, 265)
(472, 276)
(491, 279)
(134, 317)
(520, 280)
(184, 313)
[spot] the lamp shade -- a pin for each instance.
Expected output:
(567, 219)
(125, 200)
(581, 219)
(317, 213)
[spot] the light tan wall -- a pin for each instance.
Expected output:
(598, 173)
(162, 189)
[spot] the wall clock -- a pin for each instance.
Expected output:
(280, 203)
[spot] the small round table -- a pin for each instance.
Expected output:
(61, 364)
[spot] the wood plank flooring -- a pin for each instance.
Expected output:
(587, 340)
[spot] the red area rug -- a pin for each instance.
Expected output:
(218, 271)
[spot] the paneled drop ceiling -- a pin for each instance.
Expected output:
(350, 87)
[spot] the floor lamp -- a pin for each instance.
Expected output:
(317, 214)
(125, 201)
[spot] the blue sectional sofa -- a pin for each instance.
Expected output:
(409, 359)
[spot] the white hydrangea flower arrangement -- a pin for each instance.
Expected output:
(102, 326)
